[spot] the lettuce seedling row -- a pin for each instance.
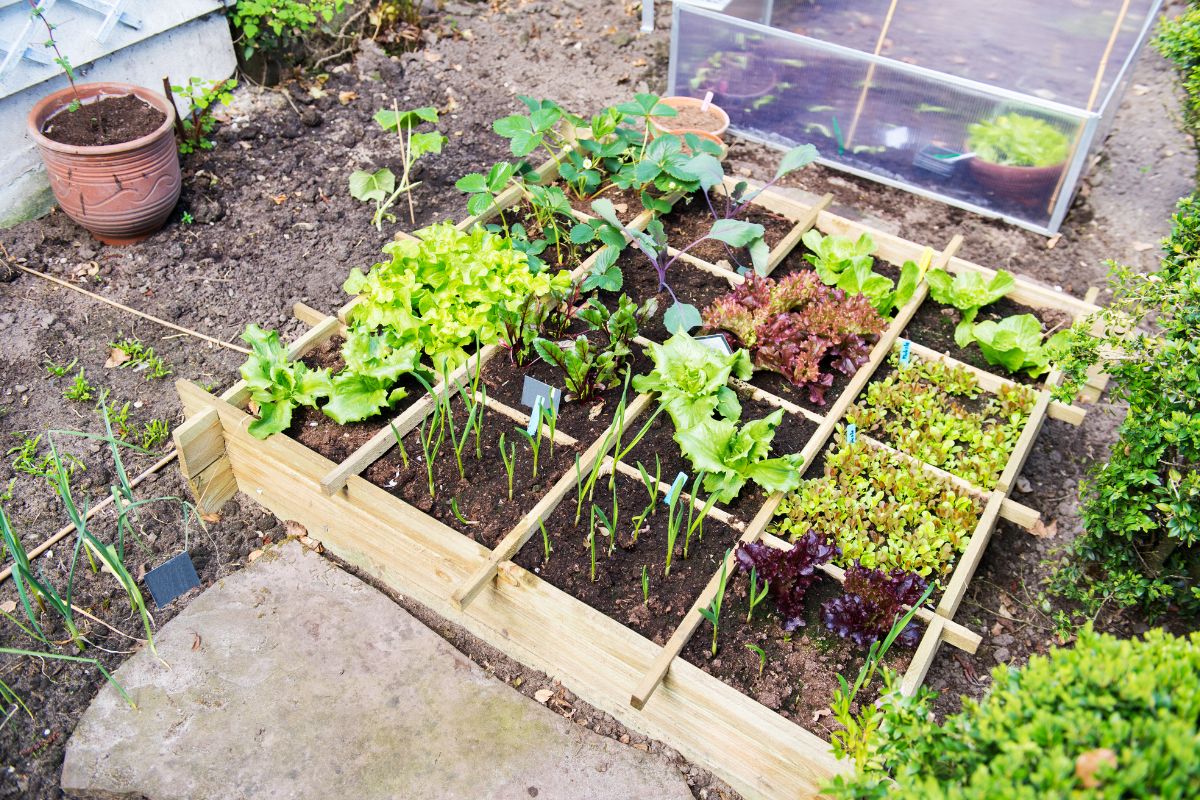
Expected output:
(496, 592)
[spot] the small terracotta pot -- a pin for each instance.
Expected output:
(664, 124)
(121, 193)
(1028, 186)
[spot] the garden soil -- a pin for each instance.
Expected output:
(265, 221)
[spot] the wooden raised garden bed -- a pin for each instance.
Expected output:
(650, 686)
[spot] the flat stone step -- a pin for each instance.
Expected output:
(292, 679)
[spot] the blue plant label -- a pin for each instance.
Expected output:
(171, 579)
(715, 341)
(852, 433)
(676, 486)
(905, 352)
(534, 390)
(535, 418)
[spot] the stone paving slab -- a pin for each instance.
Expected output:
(292, 679)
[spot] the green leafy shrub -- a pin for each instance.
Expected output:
(202, 96)
(1179, 41)
(1018, 140)
(918, 409)
(1109, 718)
(1141, 508)
(277, 23)
(881, 512)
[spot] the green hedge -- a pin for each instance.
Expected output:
(1179, 40)
(1109, 718)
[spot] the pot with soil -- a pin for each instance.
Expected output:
(113, 162)
(740, 83)
(692, 117)
(1017, 157)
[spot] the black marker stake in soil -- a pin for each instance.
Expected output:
(171, 579)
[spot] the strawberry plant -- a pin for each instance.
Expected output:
(919, 410)
(799, 328)
(881, 512)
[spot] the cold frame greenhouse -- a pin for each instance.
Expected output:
(998, 108)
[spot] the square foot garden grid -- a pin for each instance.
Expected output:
(643, 683)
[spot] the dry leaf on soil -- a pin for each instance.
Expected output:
(543, 695)
(116, 357)
(1043, 531)
(345, 98)
(8, 606)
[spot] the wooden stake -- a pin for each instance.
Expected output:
(862, 97)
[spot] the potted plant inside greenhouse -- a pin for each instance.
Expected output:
(109, 151)
(1018, 157)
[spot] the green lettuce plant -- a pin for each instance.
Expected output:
(732, 455)
(691, 380)
(968, 292)
(1016, 344)
(847, 264)
(1018, 140)
(277, 384)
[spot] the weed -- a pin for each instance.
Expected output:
(81, 390)
(59, 370)
(141, 357)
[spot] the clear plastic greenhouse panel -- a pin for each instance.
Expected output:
(995, 111)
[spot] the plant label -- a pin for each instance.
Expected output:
(676, 486)
(716, 341)
(168, 581)
(534, 390)
(535, 418)
(852, 433)
(905, 352)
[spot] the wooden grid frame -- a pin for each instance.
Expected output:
(644, 685)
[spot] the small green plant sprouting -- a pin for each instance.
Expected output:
(400, 444)
(695, 524)
(37, 12)
(26, 461)
(80, 390)
(153, 433)
(607, 526)
(186, 218)
(509, 457)
(381, 186)
(592, 541)
(202, 97)
(713, 612)
(458, 515)
(645, 585)
(59, 370)
(756, 595)
(651, 485)
(762, 656)
(431, 444)
(547, 548)
(141, 357)
(673, 522)
(535, 439)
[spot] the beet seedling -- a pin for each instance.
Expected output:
(713, 612)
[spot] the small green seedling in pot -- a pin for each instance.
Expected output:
(713, 612)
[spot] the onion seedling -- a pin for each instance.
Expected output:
(713, 612)
(645, 585)
(547, 548)
(696, 525)
(762, 656)
(458, 515)
(509, 457)
(651, 486)
(400, 444)
(608, 528)
(673, 522)
(756, 595)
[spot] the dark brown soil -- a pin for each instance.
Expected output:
(691, 220)
(112, 120)
(617, 590)
(790, 437)
(481, 491)
(799, 673)
(933, 326)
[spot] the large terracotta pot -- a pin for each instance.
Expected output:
(1028, 186)
(124, 192)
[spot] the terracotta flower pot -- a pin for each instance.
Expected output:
(1028, 186)
(121, 193)
(719, 119)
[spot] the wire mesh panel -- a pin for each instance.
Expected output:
(994, 110)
